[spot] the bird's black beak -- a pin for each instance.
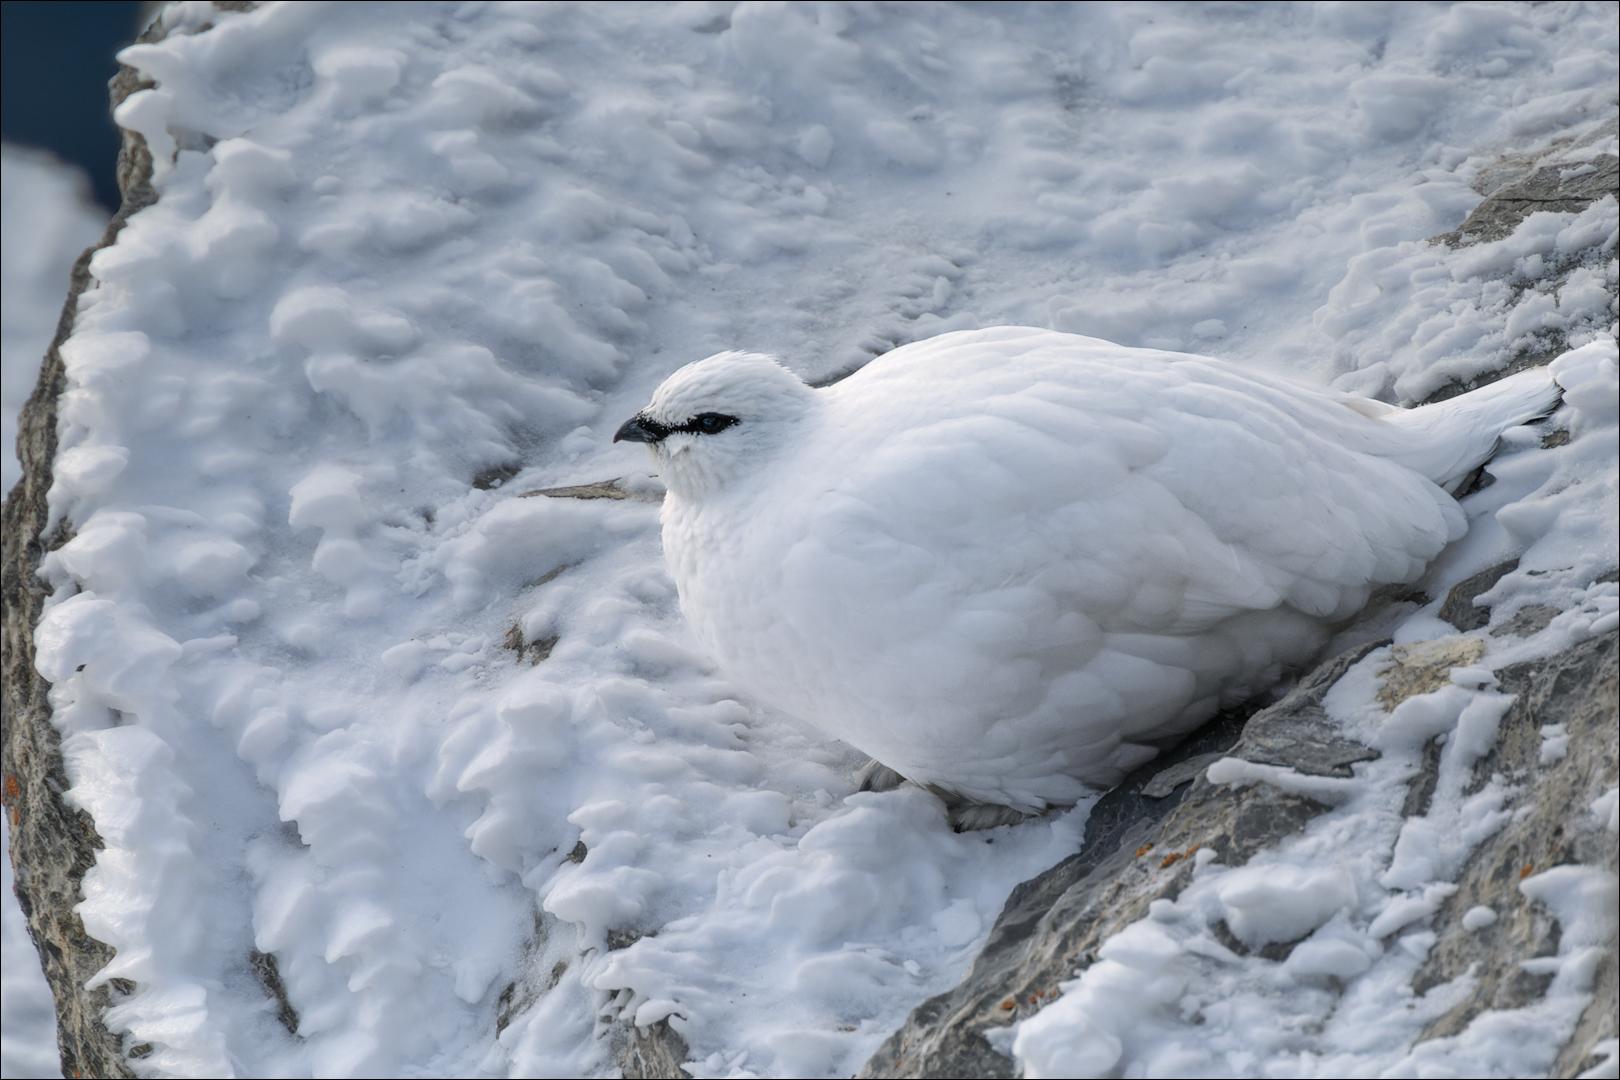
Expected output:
(642, 429)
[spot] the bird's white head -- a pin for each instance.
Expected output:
(717, 419)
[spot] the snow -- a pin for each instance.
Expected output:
(412, 264)
(1609, 1050)
(1606, 808)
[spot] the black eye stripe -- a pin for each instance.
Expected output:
(706, 424)
(648, 424)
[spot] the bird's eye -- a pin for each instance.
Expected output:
(708, 423)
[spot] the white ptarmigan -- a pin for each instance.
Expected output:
(1011, 564)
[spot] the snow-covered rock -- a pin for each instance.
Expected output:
(395, 770)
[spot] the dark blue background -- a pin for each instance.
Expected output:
(55, 59)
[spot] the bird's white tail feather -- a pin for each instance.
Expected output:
(1462, 434)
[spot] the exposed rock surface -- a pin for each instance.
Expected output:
(54, 844)
(1576, 690)
(1137, 850)
(1516, 187)
(1460, 610)
(654, 1054)
(1555, 188)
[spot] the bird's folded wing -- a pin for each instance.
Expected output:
(1150, 496)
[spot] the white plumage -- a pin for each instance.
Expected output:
(1011, 563)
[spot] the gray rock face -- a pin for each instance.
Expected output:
(654, 1054)
(1137, 846)
(1545, 189)
(1578, 691)
(1516, 187)
(1136, 851)
(1460, 610)
(53, 844)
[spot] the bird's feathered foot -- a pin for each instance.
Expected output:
(963, 814)
(877, 776)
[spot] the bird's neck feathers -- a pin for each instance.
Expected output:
(695, 474)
